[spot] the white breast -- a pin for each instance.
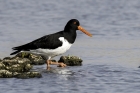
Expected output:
(54, 52)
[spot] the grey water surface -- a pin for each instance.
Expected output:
(110, 58)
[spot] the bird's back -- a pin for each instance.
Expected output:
(46, 42)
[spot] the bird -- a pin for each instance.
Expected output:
(53, 44)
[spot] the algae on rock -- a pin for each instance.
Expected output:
(71, 60)
(20, 65)
(5, 74)
(31, 74)
(17, 67)
(34, 58)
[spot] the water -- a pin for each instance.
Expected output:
(111, 56)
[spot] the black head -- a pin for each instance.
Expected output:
(74, 25)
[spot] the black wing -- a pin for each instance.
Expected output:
(46, 42)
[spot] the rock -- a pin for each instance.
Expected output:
(71, 60)
(34, 58)
(7, 58)
(20, 66)
(17, 67)
(16, 64)
(15, 60)
(2, 66)
(0, 60)
(8, 74)
(32, 74)
(5, 74)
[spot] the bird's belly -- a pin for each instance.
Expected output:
(54, 52)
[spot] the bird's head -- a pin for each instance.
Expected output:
(75, 25)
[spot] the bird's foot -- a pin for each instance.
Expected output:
(55, 63)
(61, 65)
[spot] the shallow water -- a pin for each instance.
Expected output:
(110, 57)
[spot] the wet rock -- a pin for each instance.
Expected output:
(16, 64)
(7, 58)
(17, 67)
(71, 60)
(0, 60)
(34, 58)
(2, 66)
(26, 75)
(5, 74)
(8, 74)
(20, 66)
(15, 60)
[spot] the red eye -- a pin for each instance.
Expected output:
(74, 23)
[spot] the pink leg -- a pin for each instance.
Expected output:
(49, 62)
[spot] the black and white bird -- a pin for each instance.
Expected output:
(54, 44)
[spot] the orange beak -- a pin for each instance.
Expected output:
(84, 31)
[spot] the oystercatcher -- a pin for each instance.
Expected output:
(54, 44)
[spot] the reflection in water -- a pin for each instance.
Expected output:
(59, 70)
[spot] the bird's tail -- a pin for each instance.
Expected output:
(17, 49)
(15, 52)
